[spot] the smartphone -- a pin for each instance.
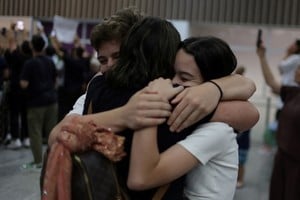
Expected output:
(259, 36)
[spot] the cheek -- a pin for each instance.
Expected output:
(114, 61)
(103, 68)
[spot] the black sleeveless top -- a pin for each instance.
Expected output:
(103, 98)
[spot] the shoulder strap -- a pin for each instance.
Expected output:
(160, 192)
(90, 108)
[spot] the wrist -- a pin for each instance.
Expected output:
(122, 121)
(218, 87)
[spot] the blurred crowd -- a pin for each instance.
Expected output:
(75, 66)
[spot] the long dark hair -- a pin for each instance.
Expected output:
(213, 56)
(148, 52)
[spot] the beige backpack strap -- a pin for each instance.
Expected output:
(90, 108)
(161, 191)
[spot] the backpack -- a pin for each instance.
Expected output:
(94, 177)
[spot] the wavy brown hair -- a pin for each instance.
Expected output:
(148, 52)
(115, 27)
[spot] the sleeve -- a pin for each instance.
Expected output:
(208, 140)
(289, 64)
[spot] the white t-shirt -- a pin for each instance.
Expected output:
(78, 106)
(214, 145)
(287, 69)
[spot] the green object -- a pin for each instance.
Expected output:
(269, 137)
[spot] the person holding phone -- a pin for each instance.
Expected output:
(285, 178)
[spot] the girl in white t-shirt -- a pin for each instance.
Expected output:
(210, 154)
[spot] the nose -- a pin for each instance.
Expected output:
(175, 80)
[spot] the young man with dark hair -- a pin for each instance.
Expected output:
(38, 78)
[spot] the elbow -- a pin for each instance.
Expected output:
(137, 183)
(253, 117)
(251, 86)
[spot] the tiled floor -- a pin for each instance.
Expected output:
(17, 184)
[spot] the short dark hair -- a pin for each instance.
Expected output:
(50, 51)
(115, 27)
(37, 43)
(148, 52)
(25, 47)
(213, 56)
(78, 52)
(297, 42)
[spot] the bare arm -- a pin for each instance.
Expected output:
(56, 45)
(149, 168)
(236, 87)
(268, 75)
(241, 115)
(198, 101)
(144, 109)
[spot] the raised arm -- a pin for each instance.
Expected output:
(198, 101)
(267, 73)
(56, 45)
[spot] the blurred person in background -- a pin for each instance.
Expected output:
(4, 121)
(73, 78)
(290, 63)
(287, 67)
(16, 56)
(106, 38)
(243, 141)
(285, 179)
(38, 79)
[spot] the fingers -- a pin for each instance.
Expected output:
(150, 96)
(158, 105)
(181, 117)
(176, 90)
(156, 113)
(190, 120)
(176, 112)
(179, 97)
(151, 122)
